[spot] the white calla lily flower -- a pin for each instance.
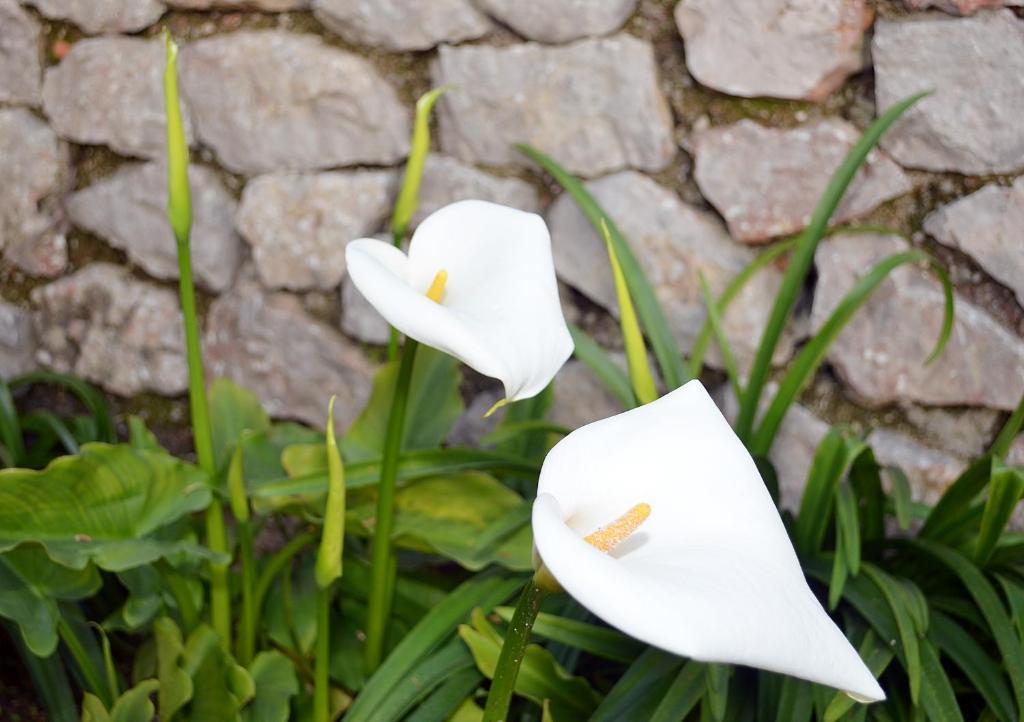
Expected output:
(479, 284)
(709, 572)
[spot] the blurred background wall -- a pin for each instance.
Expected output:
(705, 128)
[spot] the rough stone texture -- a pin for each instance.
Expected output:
(966, 433)
(17, 341)
(673, 241)
(470, 428)
(298, 224)
(33, 166)
(272, 6)
(293, 362)
(1015, 457)
(580, 398)
(793, 451)
(402, 24)
(988, 225)
(271, 100)
(779, 48)
(446, 180)
(559, 21)
(766, 181)
(595, 105)
(103, 16)
(881, 353)
(961, 7)
(929, 470)
(109, 91)
(971, 124)
(128, 210)
(360, 320)
(20, 70)
(109, 328)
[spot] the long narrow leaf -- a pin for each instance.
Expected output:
(806, 363)
(956, 500)
(1003, 494)
(613, 378)
(908, 634)
(647, 307)
(803, 257)
(714, 320)
(10, 427)
(646, 680)
(92, 399)
(684, 694)
(600, 641)
(447, 697)
(1007, 435)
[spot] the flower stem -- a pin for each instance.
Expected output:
(512, 652)
(247, 633)
(321, 683)
(382, 570)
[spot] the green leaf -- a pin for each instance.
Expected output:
(104, 506)
(1008, 434)
(682, 696)
(810, 357)
(140, 437)
(94, 401)
(732, 290)
(645, 682)
(540, 676)
(408, 196)
(597, 360)
(991, 606)
(600, 641)
(274, 677)
(955, 502)
(233, 410)
(803, 257)
(937, 696)
(985, 674)
(506, 431)
(434, 405)
(448, 514)
(1004, 492)
(848, 526)
(877, 657)
(640, 376)
(53, 689)
(651, 315)
(909, 636)
(901, 497)
(30, 585)
(175, 683)
(132, 706)
(714, 321)
(432, 671)
(10, 427)
(832, 460)
(716, 688)
(430, 632)
(795, 703)
(447, 698)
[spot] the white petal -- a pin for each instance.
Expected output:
(500, 313)
(711, 574)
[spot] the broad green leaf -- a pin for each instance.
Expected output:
(133, 706)
(433, 629)
(434, 405)
(49, 678)
(30, 585)
(655, 325)
(104, 506)
(276, 683)
(801, 260)
(644, 683)
(419, 146)
(146, 598)
(505, 432)
(600, 641)
(597, 360)
(540, 677)
(1004, 492)
(447, 515)
(233, 410)
(175, 683)
(988, 679)
(640, 376)
(806, 363)
(289, 615)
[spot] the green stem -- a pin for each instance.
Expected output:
(382, 570)
(247, 630)
(274, 567)
(321, 684)
(90, 674)
(220, 603)
(512, 652)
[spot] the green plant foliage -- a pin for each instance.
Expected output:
(106, 506)
(276, 684)
(233, 411)
(133, 706)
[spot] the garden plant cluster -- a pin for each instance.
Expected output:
(638, 568)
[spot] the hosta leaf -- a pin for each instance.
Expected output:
(104, 505)
(540, 676)
(448, 514)
(434, 405)
(276, 683)
(30, 585)
(132, 706)
(233, 410)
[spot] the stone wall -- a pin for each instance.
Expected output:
(705, 128)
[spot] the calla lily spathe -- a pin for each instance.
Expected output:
(499, 311)
(711, 573)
